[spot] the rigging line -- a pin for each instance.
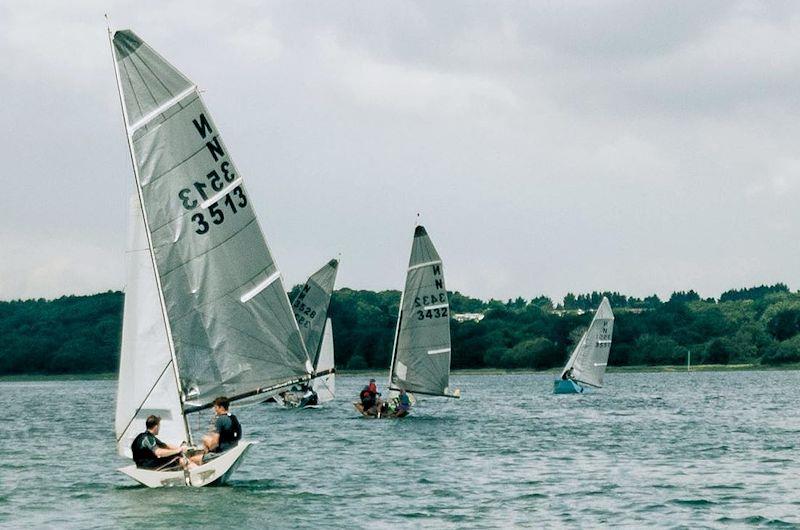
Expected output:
(157, 78)
(141, 405)
(141, 77)
(133, 92)
(178, 164)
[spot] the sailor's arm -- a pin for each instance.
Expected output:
(169, 450)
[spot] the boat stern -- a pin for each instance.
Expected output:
(567, 386)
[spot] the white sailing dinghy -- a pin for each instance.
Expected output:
(587, 364)
(310, 307)
(206, 313)
(421, 353)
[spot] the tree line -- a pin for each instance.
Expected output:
(81, 334)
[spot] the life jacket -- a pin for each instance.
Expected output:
(231, 438)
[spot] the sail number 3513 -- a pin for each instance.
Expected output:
(216, 181)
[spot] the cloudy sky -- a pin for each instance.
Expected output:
(548, 146)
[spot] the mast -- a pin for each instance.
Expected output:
(162, 303)
(397, 329)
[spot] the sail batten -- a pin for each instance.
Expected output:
(421, 355)
(209, 252)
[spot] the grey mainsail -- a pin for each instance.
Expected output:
(589, 359)
(311, 307)
(229, 318)
(421, 356)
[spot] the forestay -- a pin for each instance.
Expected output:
(147, 382)
(325, 386)
(231, 322)
(421, 357)
(311, 307)
(590, 357)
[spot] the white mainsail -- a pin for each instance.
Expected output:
(325, 386)
(226, 314)
(147, 382)
(421, 354)
(588, 361)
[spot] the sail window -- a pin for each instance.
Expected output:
(260, 287)
(401, 371)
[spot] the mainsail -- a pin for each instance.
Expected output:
(421, 355)
(311, 307)
(227, 313)
(325, 386)
(588, 361)
(147, 382)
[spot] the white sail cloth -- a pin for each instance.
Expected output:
(325, 386)
(147, 382)
(421, 360)
(231, 322)
(589, 359)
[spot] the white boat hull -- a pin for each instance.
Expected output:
(213, 473)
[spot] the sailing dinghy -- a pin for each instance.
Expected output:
(587, 364)
(206, 313)
(421, 353)
(310, 307)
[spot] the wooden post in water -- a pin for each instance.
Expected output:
(688, 360)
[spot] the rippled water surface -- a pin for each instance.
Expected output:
(668, 450)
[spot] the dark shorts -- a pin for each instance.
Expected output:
(162, 464)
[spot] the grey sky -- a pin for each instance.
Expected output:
(623, 145)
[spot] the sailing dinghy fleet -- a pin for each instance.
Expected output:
(206, 313)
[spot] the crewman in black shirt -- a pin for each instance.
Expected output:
(151, 453)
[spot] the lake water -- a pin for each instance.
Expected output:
(667, 450)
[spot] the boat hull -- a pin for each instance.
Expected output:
(567, 386)
(213, 473)
(389, 416)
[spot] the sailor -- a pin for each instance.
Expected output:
(567, 375)
(369, 398)
(403, 403)
(225, 432)
(151, 453)
(310, 398)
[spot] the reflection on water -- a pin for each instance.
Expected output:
(650, 449)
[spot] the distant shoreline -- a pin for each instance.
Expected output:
(465, 371)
